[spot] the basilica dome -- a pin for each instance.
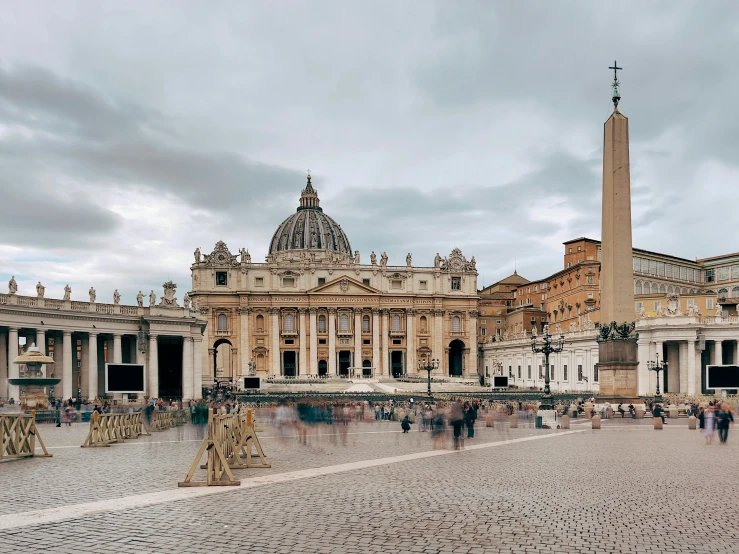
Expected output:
(309, 228)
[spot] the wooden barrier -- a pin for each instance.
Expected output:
(19, 433)
(229, 442)
(107, 429)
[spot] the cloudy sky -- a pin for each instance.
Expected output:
(133, 132)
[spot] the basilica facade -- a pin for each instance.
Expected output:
(312, 309)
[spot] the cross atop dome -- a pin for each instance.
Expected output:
(614, 85)
(309, 196)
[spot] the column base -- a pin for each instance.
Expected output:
(617, 368)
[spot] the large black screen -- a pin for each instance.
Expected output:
(500, 381)
(125, 378)
(252, 382)
(722, 377)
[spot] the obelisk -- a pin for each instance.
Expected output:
(617, 352)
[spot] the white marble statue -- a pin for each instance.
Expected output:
(12, 285)
(373, 258)
(197, 255)
(40, 289)
(152, 298)
(186, 301)
(67, 292)
(356, 257)
(408, 259)
(93, 295)
(116, 297)
(248, 257)
(383, 259)
(243, 255)
(437, 260)
(140, 299)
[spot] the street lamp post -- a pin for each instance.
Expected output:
(428, 365)
(549, 347)
(657, 367)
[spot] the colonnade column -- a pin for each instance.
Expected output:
(92, 366)
(410, 341)
(332, 342)
(358, 340)
(643, 370)
(67, 364)
(187, 368)
(275, 350)
(83, 369)
(41, 345)
(3, 366)
(153, 367)
(117, 352)
(673, 368)
(244, 350)
(384, 361)
(377, 371)
(313, 370)
(13, 369)
(690, 370)
(438, 348)
(682, 353)
(197, 372)
(472, 369)
(303, 368)
(717, 352)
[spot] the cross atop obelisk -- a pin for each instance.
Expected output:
(616, 94)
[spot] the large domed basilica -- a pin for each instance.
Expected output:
(313, 310)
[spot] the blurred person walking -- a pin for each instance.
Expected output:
(708, 420)
(456, 419)
(724, 418)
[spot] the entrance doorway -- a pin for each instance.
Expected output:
(396, 363)
(170, 367)
(288, 364)
(367, 368)
(456, 349)
(345, 362)
(322, 368)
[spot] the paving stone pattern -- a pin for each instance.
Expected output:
(623, 489)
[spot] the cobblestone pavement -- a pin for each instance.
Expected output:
(625, 488)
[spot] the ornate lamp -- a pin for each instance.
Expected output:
(549, 347)
(657, 367)
(429, 366)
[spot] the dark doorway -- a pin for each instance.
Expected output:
(396, 363)
(322, 368)
(221, 355)
(456, 349)
(288, 361)
(170, 367)
(345, 362)
(367, 368)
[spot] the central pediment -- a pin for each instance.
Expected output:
(344, 285)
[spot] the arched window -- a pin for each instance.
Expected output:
(456, 324)
(260, 361)
(222, 322)
(260, 322)
(735, 292)
(655, 288)
(663, 289)
(637, 287)
(289, 322)
(423, 323)
(366, 324)
(322, 324)
(670, 289)
(396, 323)
(343, 322)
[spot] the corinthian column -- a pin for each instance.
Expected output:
(384, 361)
(187, 368)
(358, 339)
(197, 372)
(410, 340)
(275, 350)
(313, 370)
(438, 339)
(303, 368)
(153, 367)
(67, 364)
(92, 366)
(13, 369)
(472, 368)
(244, 348)
(376, 342)
(332, 342)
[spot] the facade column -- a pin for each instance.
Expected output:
(117, 352)
(187, 368)
(643, 371)
(275, 350)
(690, 370)
(682, 352)
(438, 348)
(92, 366)
(197, 372)
(13, 369)
(41, 344)
(376, 371)
(153, 367)
(3, 365)
(358, 340)
(717, 352)
(84, 367)
(410, 341)
(472, 369)
(313, 369)
(303, 368)
(332, 342)
(673, 368)
(67, 384)
(384, 358)
(244, 347)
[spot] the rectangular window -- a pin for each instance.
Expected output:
(366, 341)
(366, 282)
(661, 268)
(723, 273)
(483, 331)
(533, 319)
(668, 270)
(321, 281)
(321, 341)
(456, 283)
(709, 303)
(710, 275)
(498, 321)
(564, 372)
(396, 284)
(529, 368)
(691, 302)
(591, 279)
(653, 267)
(423, 285)
(684, 273)
(735, 272)
(221, 278)
(657, 305)
(637, 264)
(288, 281)
(259, 281)
(397, 341)
(579, 372)
(639, 306)
(289, 341)
(541, 371)
(536, 289)
(595, 373)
